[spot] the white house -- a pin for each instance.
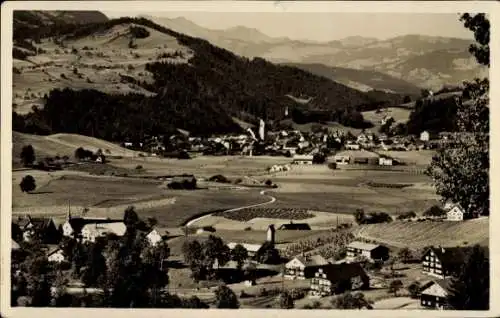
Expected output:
(454, 212)
(154, 237)
(302, 267)
(56, 256)
(92, 231)
(436, 294)
(385, 161)
(352, 146)
(425, 136)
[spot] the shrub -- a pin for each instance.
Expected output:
(434, 211)
(319, 158)
(27, 184)
(332, 165)
(138, 167)
(268, 182)
(248, 228)
(414, 289)
(219, 178)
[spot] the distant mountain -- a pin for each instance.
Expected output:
(130, 77)
(363, 80)
(424, 61)
(38, 18)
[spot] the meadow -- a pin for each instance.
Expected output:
(417, 235)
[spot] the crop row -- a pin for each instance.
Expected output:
(277, 213)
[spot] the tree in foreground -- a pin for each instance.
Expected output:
(351, 301)
(461, 172)
(226, 298)
(239, 254)
(27, 155)
(470, 289)
(395, 286)
(28, 184)
(414, 289)
(286, 301)
(405, 255)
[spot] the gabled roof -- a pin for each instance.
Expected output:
(430, 288)
(294, 226)
(313, 260)
(38, 223)
(363, 246)
(336, 272)
(15, 245)
(249, 247)
(450, 256)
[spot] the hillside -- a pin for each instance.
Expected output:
(63, 145)
(421, 234)
(108, 80)
(424, 61)
(363, 80)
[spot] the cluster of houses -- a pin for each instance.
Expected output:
(284, 142)
(81, 228)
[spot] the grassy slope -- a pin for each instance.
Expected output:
(421, 234)
(63, 144)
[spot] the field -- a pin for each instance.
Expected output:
(64, 145)
(344, 191)
(420, 234)
(99, 60)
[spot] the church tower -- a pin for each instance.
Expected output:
(271, 232)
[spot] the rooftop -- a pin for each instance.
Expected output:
(363, 246)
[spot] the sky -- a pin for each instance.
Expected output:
(325, 26)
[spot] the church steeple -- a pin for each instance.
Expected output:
(68, 217)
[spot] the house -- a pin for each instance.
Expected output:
(302, 159)
(435, 294)
(99, 159)
(352, 146)
(154, 237)
(385, 161)
(56, 255)
(90, 232)
(42, 228)
(252, 249)
(295, 226)
(73, 226)
(425, 136)
(362, 138)
(338, 278)
(370, 251)
(455, 212)
(443, 262)
(342, 160)
(302, 267)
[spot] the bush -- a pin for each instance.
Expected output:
(268, 182)
(138, 167)
(332, 165)
(249, 228)
(218, 178)
(434, 211)
(27, 184)
(319, 158)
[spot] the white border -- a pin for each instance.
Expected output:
(235, 6)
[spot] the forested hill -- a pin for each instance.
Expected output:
(199, 92)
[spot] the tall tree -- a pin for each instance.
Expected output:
(470, 289)
(239, 254)
(27, 155)
(226, 298)
(286, 301)
(461, 171)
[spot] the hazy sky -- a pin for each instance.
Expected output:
(325, 26)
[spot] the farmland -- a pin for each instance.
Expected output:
(420, 234)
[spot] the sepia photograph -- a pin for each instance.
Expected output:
(237, 159)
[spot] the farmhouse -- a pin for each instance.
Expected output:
(154, 237)
(385, 161)
(455, 212)
(252, 249)
(302, 267)
(443, 262)
(90, 232)
(56, 255)
(425, 136)
(302, 159)
(342, 160)
(338, 278)
(43, 228)
(435, 294)
(370, 251)
(295, 226)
